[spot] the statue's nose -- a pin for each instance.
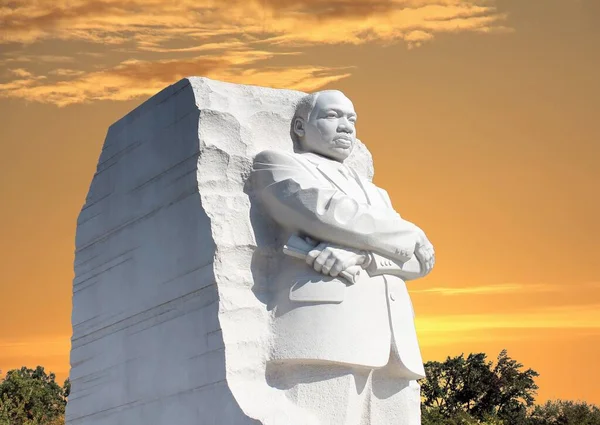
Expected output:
(345, 126)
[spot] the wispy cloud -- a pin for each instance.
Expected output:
(11, 57)
(51, 351)
(502, 288)
(50, 345)
(65, 72)
(135, 78)
(222, 32)
(505, 288)
(21, 73)
(580, 313)
(564, 317)
(331, 21)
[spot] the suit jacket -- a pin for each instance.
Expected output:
(324, 319)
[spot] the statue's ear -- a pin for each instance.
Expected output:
(298, 127)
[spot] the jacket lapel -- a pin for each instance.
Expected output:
(334, 176)
(328, 171)
(380, 198)
(371, 200)
(372, 192)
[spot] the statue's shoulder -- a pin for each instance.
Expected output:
(276, 157)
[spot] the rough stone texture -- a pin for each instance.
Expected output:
(170, 323)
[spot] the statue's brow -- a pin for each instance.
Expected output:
(341, 111)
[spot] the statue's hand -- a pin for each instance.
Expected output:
(331, 260)
(425, 253)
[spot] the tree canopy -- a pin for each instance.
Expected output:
(565, 413)
(32, 397)
(475, 391)
(479, 388)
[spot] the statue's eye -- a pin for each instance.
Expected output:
(352, 120)
(331, 114)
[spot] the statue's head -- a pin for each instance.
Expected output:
(324, 123)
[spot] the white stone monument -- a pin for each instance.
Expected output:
(235, 265)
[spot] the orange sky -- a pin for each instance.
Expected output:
(482, 117)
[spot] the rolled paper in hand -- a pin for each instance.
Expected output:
(298, 248)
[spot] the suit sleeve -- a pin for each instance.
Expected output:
(380, 265)
(299, 201)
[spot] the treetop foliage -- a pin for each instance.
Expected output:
(478, 387)
(32, 397)
(476, 391)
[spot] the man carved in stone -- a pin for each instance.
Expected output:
(344, 344)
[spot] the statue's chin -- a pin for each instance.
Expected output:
(337, 150)
(339, 153)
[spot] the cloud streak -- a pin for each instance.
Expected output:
(47, 350)
(50, 345)
(230, 37)
(151, 22)
(436, 329)
(503, 288)
(133, 78)
(565, 317)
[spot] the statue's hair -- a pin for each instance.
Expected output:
(305, 105)
(303, 110)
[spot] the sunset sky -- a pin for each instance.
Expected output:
(483, 117)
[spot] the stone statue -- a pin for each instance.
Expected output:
(344, 345)
(191, 306)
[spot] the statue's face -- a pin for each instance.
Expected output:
(330, 130)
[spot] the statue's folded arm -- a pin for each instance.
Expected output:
(299, 201)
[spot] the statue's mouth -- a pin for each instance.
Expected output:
(343, 141)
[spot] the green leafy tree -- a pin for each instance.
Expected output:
(479, 388)
(432, 416)
(565, 413)
(32, 397)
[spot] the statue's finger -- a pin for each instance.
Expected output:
(311, 257)
(314, 253)
(320, 261)
(331, 260)
(337, 268)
